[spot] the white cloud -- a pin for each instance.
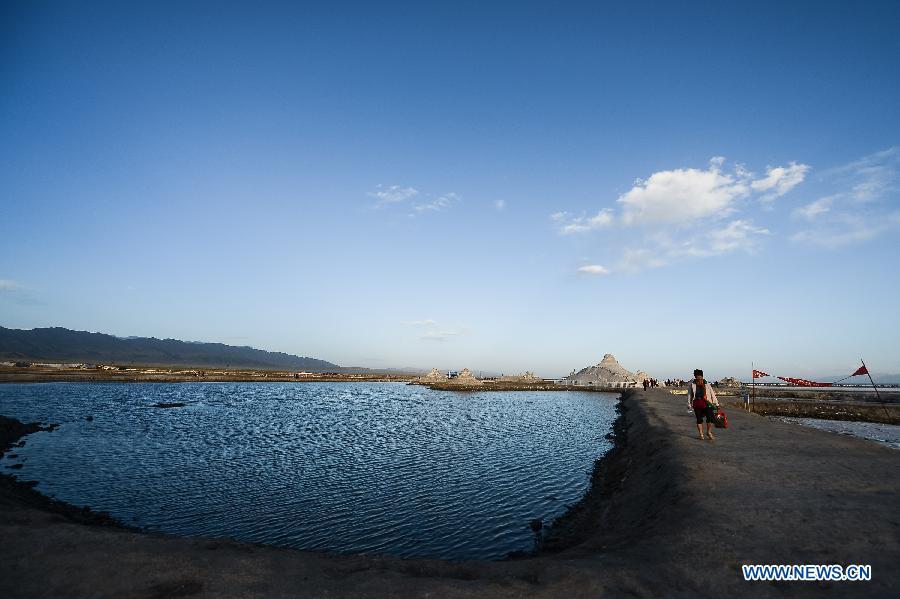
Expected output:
(434, 334)
(396, 195)
(848, 229)
(421, 323)
(682, 195)
(392, 194)
(582, 224)
(500, 204)
(634, 260)
(690, 212)
(814, 209)
(861, 207)
(593, 269)
(439, 335)
(14, 291)
(665, 247)
(869, 178)
(779, 180)
(738, 235)
(440, 203)
(9, 286)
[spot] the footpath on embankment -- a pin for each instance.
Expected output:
(668, 515)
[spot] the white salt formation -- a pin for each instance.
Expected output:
(435, 376)
(466, 378)
(608, 373)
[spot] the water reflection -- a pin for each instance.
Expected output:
(885, 434)
(346, 467)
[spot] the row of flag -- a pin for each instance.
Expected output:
(759, 374)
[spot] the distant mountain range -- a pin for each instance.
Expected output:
(58, 344)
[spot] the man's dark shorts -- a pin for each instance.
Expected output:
(708, 411)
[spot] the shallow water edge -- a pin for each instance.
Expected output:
(552, 534)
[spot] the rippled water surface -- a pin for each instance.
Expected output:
(886, 434)
(344, 467)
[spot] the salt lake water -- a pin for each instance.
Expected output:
(340, 467)
(885, 434)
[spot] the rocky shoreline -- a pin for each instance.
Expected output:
(19, 492)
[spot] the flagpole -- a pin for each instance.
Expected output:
(870, 379)
(877, 395)
(753, 385)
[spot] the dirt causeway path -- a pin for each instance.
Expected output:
(668, 516)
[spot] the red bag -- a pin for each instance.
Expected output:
(721, 420)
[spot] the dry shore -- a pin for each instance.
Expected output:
(668, 515)
(827, 410)
(854, 394)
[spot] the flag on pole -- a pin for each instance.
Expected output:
(860, 370)
(804, 382)
(758, 374)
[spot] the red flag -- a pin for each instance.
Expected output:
(804, 382)
(758, 374)
(860, 370)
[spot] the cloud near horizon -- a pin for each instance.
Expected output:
(439, 335)
(433, 334)
(13, 291)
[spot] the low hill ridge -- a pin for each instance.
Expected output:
(58, 344)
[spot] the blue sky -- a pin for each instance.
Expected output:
(522, 186)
